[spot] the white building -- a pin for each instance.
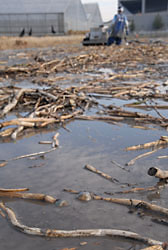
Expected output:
(43, 17)
(93, 14)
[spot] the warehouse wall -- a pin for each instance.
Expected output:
(13, 24)
(144, 22)
(143, 12)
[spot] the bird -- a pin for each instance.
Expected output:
(22, 33)
(30, 32)
(52, 29)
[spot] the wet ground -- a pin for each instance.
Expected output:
(98, 143)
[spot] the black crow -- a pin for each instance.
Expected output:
(52, 29)
(30, 32)
(22, 33)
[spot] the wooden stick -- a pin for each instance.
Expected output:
(29, 196)
(11, 105)
(140, 156)
(158, 173)
(52, 97)
(118, 165)
(7, 132)
(163, 157)
(156, 247)
(18, 122)
(55, 142)
(162, 141)
(16, 132)
(106, 176)
(27, 156)
(145, 106)
(135, 190)
(29, 122)
(2, 213)
(14, 190)
(75, 233)
(101, 118)
(135, 203)
(3, 164)
(45, 142)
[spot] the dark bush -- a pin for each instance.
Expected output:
(158, 23)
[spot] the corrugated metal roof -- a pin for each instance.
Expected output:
(33, 6)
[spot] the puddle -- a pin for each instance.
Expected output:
(94, 143)
(99, 144)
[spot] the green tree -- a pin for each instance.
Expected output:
(158, 23)
(132, 26)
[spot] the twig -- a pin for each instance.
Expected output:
(118, 165)
(27, 156)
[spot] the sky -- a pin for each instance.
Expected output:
(107, 8)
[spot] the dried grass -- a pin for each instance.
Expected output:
(38, 42)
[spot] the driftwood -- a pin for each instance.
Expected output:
(157, 247)
(101, 118)
(29, 196)
(142, 106)
(15, 100)
(104, 175)
(137, 116)
(158, 173)
(132, 190)
(163, 157)
(135, 203)
(163, 222)
(49, 107)
(55, 142)
(13, 190)
(161, 142)
(128, 202)
(140, 156)
(136, 190)
(75, 233)
(45, 142)
(156, 145)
